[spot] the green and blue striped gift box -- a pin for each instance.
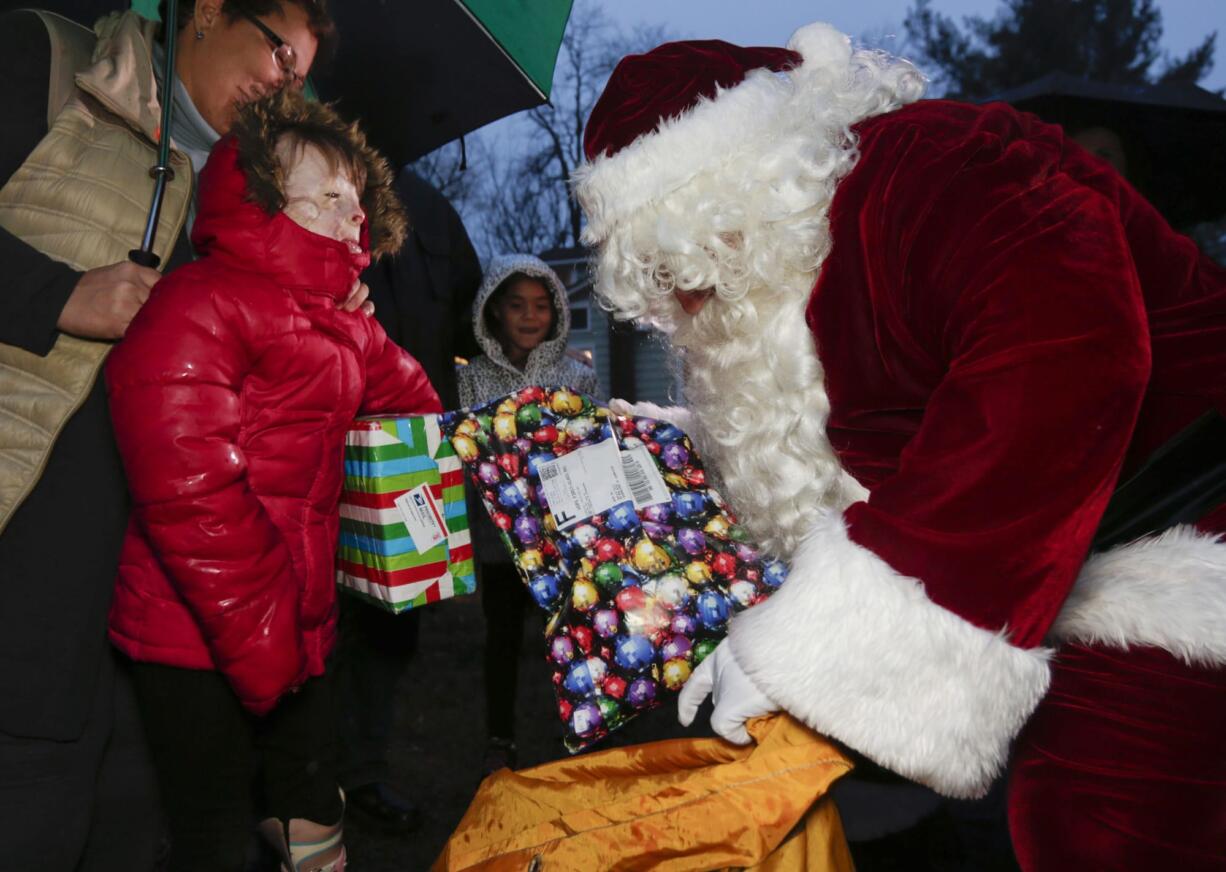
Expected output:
(377, 558)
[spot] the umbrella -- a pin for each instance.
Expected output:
(1174, 136)
(421, 74)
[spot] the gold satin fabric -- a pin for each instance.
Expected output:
(684, 804)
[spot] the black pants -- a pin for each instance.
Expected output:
(372, 657)
(221, 768)
(505, 602)
(87, 804)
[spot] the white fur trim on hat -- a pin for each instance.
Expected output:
(858, 652)
(737, 118)
(1167, 591)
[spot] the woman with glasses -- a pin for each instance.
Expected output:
(76, 788)
(232, 52)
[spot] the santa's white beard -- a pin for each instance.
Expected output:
(754, 385)
(752, 226)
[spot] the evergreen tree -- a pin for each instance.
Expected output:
(1103, 40)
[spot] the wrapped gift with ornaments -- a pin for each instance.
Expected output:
(404, 539)
(615, 531)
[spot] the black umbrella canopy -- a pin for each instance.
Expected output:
(1174, 136)
(420, 74)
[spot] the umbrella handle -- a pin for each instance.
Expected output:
(144, 255)
(141, 257)
(161, 171)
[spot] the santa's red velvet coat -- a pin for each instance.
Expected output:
(1006, 326)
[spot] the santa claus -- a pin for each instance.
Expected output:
(922, 341)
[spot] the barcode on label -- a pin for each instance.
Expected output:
(640, 487)
(548, 471)
(647, 488)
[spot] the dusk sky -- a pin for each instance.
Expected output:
(770, 22)
(877, 22)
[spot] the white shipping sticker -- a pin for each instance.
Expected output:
(422, 517)
(598, 477)
(585, 482)
(647, 487)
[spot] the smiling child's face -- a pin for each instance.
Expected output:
(320, 196)
(525, 314)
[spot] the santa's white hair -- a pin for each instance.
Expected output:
(746, 217)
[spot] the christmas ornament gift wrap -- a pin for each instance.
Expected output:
(617, 535)
(404, 538)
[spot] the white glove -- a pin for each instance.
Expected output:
(736, 697)
(678, 416)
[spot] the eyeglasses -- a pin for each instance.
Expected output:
(283, 53)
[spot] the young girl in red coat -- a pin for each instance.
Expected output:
(231, 395)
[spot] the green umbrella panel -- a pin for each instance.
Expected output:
(529, 31)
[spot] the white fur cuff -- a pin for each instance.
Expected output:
(1167, 591)
(678, 416)
(858, 652)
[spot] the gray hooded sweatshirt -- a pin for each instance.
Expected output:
(490, 375)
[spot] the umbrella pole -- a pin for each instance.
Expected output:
(161, 171)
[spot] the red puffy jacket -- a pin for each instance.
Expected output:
(231, 394)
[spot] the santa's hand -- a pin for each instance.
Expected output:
(678, 416)
(737, 699)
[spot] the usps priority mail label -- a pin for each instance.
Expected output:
(422, 517)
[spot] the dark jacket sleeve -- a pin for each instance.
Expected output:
(466, 279)
(423, 296)
(35, 287)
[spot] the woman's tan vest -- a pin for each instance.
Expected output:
(81, 197)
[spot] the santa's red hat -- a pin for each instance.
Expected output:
(682, 108)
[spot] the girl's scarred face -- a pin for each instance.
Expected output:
(525, 317)
(320, 195)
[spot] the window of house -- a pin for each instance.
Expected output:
(579, 315)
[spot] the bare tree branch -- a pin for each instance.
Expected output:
(521, 199)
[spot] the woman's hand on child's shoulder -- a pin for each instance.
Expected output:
(357, 299)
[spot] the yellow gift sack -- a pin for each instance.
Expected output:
(684, 804)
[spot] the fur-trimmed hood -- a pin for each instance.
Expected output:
(233, 230)
(262, 123)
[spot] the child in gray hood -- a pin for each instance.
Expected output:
(521, 319)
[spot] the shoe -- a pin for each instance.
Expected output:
(305, 846)
(386, 806)
(500, 753)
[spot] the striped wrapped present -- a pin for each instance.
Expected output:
(404, 531)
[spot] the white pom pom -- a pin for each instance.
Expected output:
(821, 45)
